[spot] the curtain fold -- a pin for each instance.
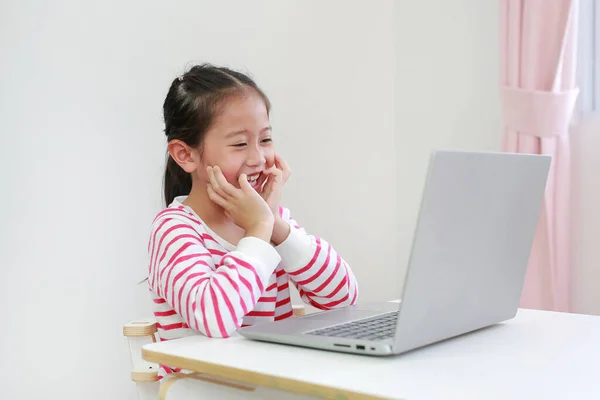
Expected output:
(538, 82)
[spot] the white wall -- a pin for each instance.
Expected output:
(81, 153)
(585, 138)
(586, 224)
(447, 95)
(362, 92)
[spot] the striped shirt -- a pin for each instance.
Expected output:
(201, 284)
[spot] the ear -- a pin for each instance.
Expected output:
(185, 156)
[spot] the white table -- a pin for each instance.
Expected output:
(537, 355)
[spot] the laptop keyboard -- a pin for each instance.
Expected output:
(377, 328)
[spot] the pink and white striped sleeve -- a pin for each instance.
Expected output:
(211, 298)
(323, 279)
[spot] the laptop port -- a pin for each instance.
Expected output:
(360, 347)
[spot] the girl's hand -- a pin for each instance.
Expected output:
(276, 177)
(246, 208)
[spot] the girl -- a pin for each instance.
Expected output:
(224, 251)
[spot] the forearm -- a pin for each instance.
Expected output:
(323, 278)
(262, 231)
(213, 298)
(281, 231)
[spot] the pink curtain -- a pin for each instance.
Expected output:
(538, 71)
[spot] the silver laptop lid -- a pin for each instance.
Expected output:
(471, 246)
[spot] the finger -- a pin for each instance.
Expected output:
(244, 185)
(267, 188)
(213, 181)
(262, 180)
(274, 183)
(228, 189)
(276, 175)
(267, 178)
(216, 198)
(273, 171)
(282, 164)
(269, 171)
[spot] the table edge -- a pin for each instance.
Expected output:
(256, 378)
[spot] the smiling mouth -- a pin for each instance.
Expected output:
(254, 181)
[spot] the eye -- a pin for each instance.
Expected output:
(267, 140)
(239, 145)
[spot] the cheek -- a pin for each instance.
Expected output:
(230, 174)
(231, 167)
(270, 157)
(228, 163)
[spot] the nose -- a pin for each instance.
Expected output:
(256, 156)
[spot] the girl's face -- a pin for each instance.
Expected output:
(239, 141)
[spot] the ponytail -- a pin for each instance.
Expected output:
(177, 182)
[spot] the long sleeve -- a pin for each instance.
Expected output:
(211, 297)
(323, 279)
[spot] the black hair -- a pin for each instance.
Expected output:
(192, 104)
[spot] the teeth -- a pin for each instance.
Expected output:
(253, 179)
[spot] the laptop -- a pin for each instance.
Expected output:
(471, 245)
